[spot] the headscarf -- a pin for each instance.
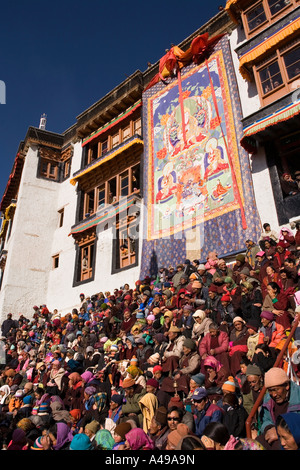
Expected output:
(100, 400)
(59, 413)
(148, 405)
(6, 390)
(87, 376)
(138, 440)
(247, 444)
(75, 379)
(211, 361)
(293, 422)
(18, 440)
(134, 371)
(104, 439)
(63, 435)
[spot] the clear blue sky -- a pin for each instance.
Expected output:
(60, 57)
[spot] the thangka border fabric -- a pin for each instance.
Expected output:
(196, 175)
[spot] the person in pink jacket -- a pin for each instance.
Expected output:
(215, 343)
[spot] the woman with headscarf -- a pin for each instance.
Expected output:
(215, 375)
(137, 439)
(61, 436)
(136, 374)
(4, 397)
(18, 440)
(148, 405)
(238, 338)
(74, 393)
(288, 430)
(59, 413)
(277, 303)
(104, 440)
(200, 326)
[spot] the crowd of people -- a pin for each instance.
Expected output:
(176, 361)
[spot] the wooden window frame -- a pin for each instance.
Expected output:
(126, 255)
(118, 197)
(47, 174)
(67, 168)
(269, 17)
(108, 137)
(89, 247)
(285, 87)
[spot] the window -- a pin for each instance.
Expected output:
(265, 12)
(275, 75)
(89, 203)
(270, 77)
(101, 196)
(86, 261)
(49, 169)
(61, 217)
(135, 178)
(55, 261)
(124, 184)
(127, 240)
(93, 153)
(137, 126)
(112, 191)
(104, 147)
(126, 133)
(256, 16)
(277, 5)
(115, 140)
(67, 167)
(292, 62)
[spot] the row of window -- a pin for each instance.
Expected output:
(109, 142)
(264, 12)
(124, 251)
(111, 191)
(278, 72)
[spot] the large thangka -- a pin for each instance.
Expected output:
(198, 192)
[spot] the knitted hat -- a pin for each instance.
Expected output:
(128, 383)
(122, 429)
(238, 319)
(198, 378)
(153, 383)
(190, 344)
(225, 298)
(252, 369)
(44, 408)
(93, 426)
(175, 436)
(229, 385)
(157, 368)
(154, 358)
(275, 376)
(240, 258)
(160, 415)
(267, 315)
(260, 253)
(81, 442)
(116, 398)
